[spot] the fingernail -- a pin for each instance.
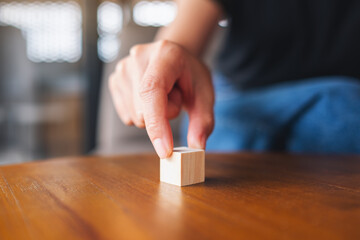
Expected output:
(160, 148)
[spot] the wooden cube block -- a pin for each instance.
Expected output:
(186, 166)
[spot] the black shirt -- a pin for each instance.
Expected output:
(271, 41)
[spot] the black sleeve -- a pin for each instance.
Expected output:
(226, 5)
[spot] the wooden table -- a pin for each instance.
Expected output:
(245, 196)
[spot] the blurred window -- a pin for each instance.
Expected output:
(53, 30)
(110, 22)
(223, 23)
(154, 13)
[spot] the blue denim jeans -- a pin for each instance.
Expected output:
(317, 115)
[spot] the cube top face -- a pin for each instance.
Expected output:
(185, 167)
(186, 150)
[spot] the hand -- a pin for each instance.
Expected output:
(151, 85)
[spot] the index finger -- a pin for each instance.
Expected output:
(164, 69)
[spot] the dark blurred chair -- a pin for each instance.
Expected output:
(16, 88)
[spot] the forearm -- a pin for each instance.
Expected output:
(193, 25)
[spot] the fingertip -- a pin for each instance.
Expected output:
(198, 142)
(162, 148)
(200, 128)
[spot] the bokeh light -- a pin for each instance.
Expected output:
(108, 48)
(110, 18)
(53, 30)
(110, 22)
(154, 13)
(223, 23)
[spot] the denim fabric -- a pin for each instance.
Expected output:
(317, 115)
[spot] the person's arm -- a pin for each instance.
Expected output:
(156, 80)
(193, 25)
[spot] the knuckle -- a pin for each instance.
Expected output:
(166, 45)
(127, 122)
(120, 66)
(139, 119)
(136, 50)
(125, 118)
(174, 51)
(148, 87)
(140, 123)
(163, 43)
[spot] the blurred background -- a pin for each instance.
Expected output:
(55, 59)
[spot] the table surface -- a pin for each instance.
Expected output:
(253, 196)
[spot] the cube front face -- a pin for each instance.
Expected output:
(170, 170)
(185, 167)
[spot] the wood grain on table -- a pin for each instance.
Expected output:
(245, 196)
